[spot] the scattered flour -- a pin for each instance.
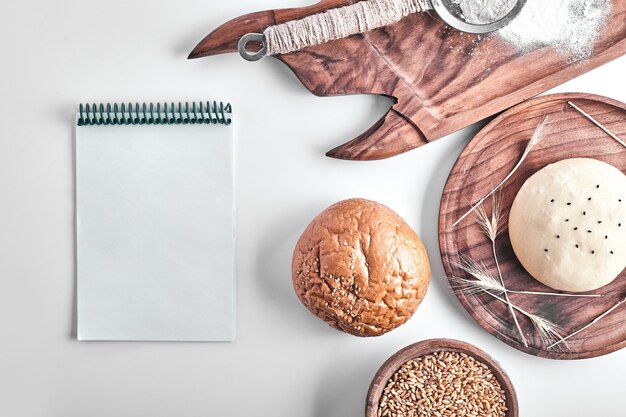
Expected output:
(569, 26)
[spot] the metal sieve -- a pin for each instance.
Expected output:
(450, 12)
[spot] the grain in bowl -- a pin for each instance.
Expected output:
(441, 378)
(443, 384)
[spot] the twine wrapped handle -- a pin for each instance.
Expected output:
(331, 25)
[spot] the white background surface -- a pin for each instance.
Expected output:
(284, 361)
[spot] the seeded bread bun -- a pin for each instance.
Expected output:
(568, 224)
(359, 267)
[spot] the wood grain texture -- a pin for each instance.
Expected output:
(426, 347)
(440, 80)
(486, 160)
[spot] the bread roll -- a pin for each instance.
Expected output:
(359, 267)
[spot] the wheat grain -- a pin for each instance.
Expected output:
(443, 384)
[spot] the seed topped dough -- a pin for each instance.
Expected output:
(568, 224)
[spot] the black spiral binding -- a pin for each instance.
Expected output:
(150, 114)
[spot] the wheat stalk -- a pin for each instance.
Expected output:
(597, 123)
(540, 133)
(548, 331)
(490, 225)
(485, 280)
(597, 319)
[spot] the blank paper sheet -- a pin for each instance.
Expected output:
(154, 225)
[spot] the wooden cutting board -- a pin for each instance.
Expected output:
(486, 160)
(440, 80)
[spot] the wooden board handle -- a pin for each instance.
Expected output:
(225, 38)
(392, 135)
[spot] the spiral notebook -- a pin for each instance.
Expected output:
(154, 222)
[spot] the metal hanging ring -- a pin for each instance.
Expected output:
(252, 37)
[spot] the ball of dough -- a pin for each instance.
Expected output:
(359, 267)
(568, 224)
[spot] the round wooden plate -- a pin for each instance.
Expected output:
(486, 160)
(426, 347)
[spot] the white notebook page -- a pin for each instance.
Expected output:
(154, 220)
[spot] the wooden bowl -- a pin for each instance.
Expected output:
(430, 346)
